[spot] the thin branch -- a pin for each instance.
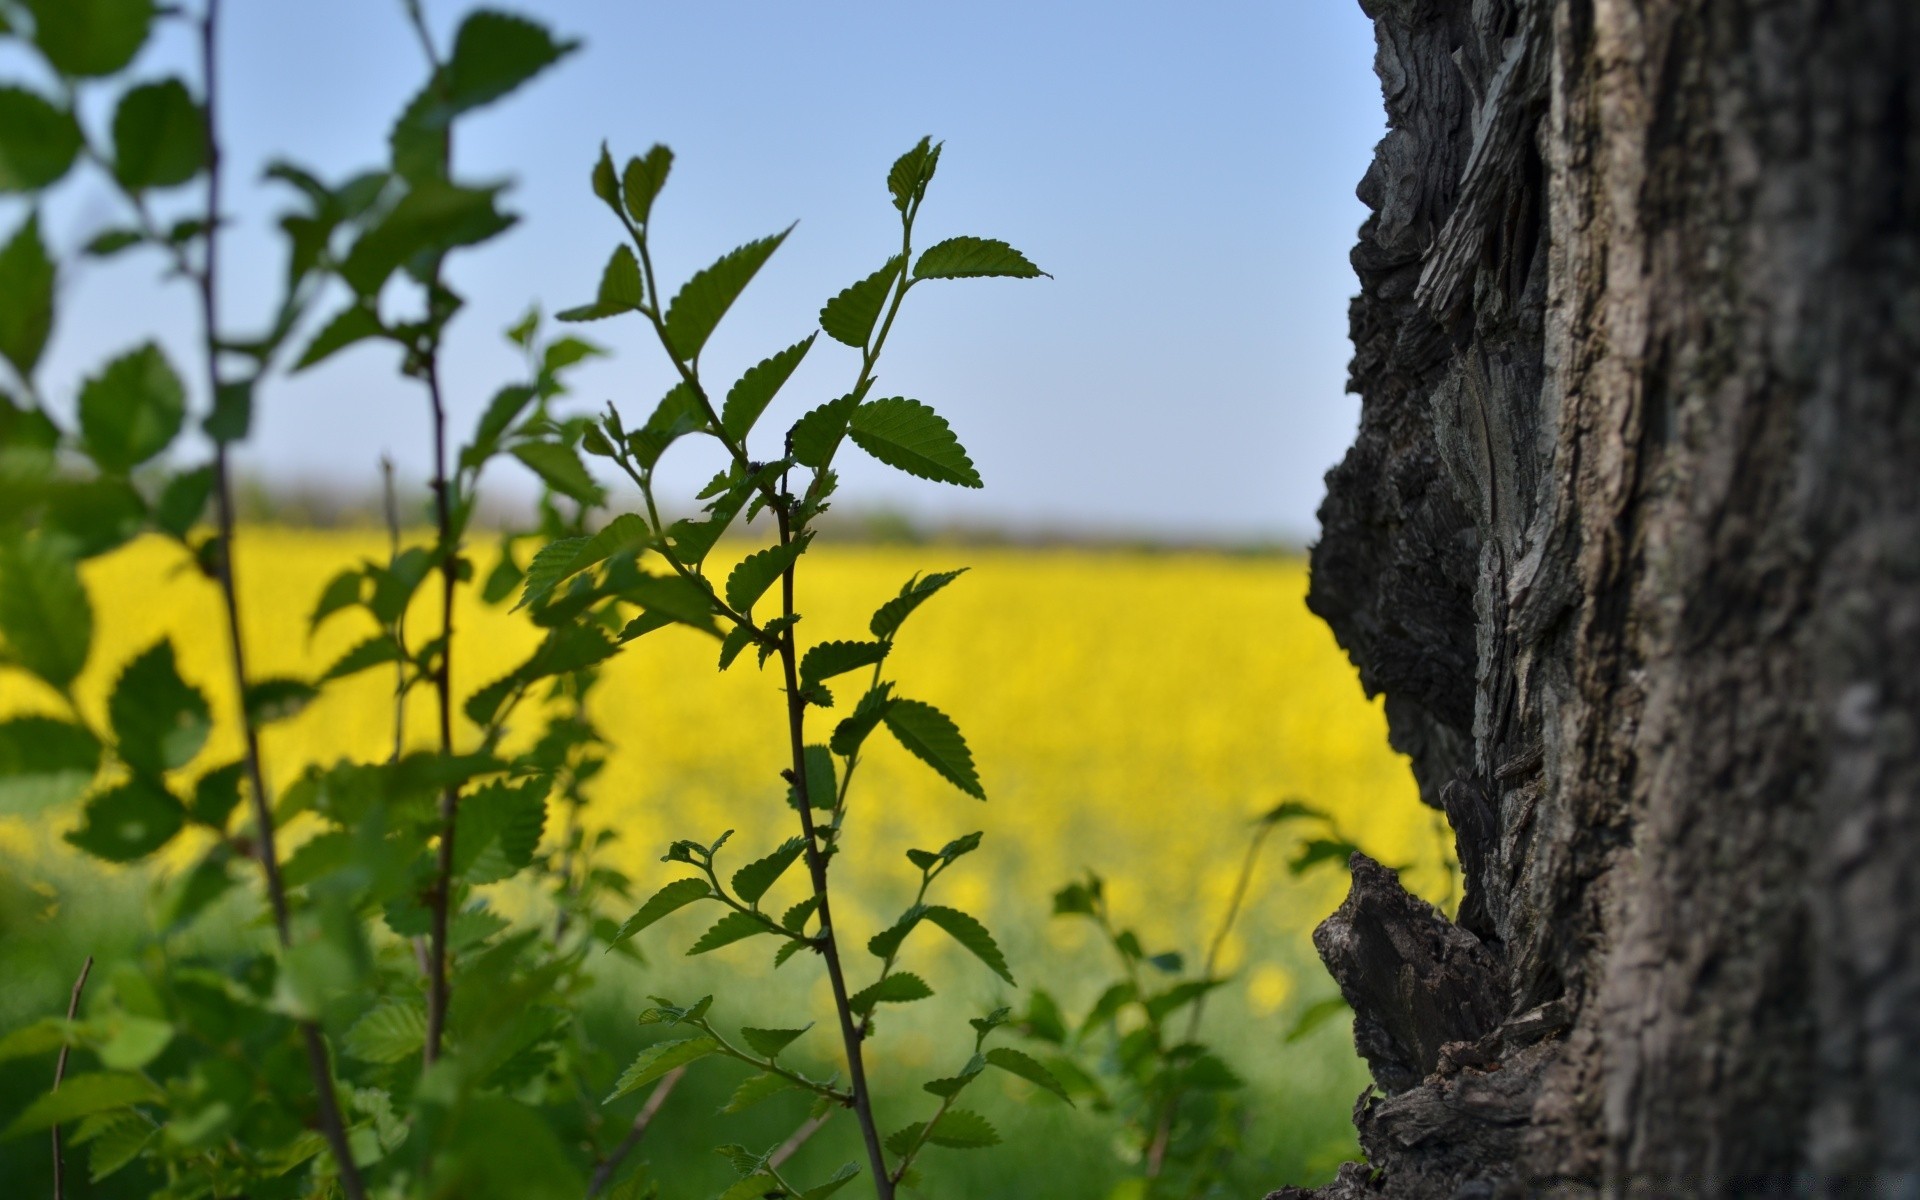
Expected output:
(800, 1137)
(392, 505)
(603, 1174)
(59, 1073)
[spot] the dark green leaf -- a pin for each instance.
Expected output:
(342, 591)
(643, 179)
(678, 414)
(132, 409)
(560, 468)
(698, 306)
(676, 598)
(961, 1129)
(120, 1140)
(606, 184)
(159, 136)
(159, 721)
(620, 289)
(972, 258)
(494, 53)
(559, 560)
(829, 659)
(693, 540)
(907, 434)
(1180, 994)
(849, 734)
(749, 397)
(90, 38)
(82, 1095)
(183, 500)
(796, 918)
(378, 649)
(823, 789)
(912, 172)
(507, 404)
(497, 830)
(886, 943)
(899, 988)
(933, 738)
(355, 323)
(216, 795)
(755, 1088)
(733, 927)
(768, 1043)
(390, 1032)
(1108, 1006)
(44, 611)
(752, 881)
(1315, 1015)
(1322, 850)
(112, 242)
(847, 1173)
(38, 141)
(656, 1060)
(129, 822)
(1291, 810)
(278, 699)
(850, 316)
(888, 618)
(26, 297)
(755, 573)
(815, 436)
(431, 219)
(1014, 1062)
(674, 896)
(43, 762)
(952, 1085)
(971, 934)
(738, 638)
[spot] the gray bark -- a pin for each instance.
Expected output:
(1630, 541)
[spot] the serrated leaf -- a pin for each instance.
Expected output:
(38, 141)
(755, 1088)
(679, 413)
(390, 1032)
(643, 178)
(815, 436)
(26, 297)
(671, 898)
(159, 721)
(963, 1129)
(850, 316)
(280, 698)
(752, 881)
(118, 1141)
(902, 987)
(1180, 994)
(559, 467)
(912, 437)
(754, 574)
(934, 739)
(129, 822)
(378, 649)
(900, 1141)
(699, 305)
(768, 1043)
(563, 558)
(506, 406)
(621, 289)
(886, 943)
(132, 409)
(433, 218)
(355, 323)
(734, 927)
(828, 659)
(44, 762)
(1015, 1063)
(971, 934)
(494, 53)
(674, 597)
(44, 612)
(656, 1060)
(159, 136)
(850, 733)
(738, 638)
(847, 1173)
(911, 173)
(498, 829)
(888, 618)
(751, 394)
(823, 786)
(82, 1095)
(973, 258)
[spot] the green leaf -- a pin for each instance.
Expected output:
(216, 794)
(752, 881)
(378, 649)
(795, 918)
(734, 927)
(159, 136)
(82, 1095)
(1179, 995)
(738, 639)
(698, 306)
(355, 323)
(494, 53)
(912, 437)
(183, 500)
(391, 1032)
(829, 659)
(912, 172)
(850, 734)
(952, 1085)
(755, 1088)
(768, 1043)
(656, 1060)
(560, 468)
(620, 289)
(886, 943)
(342, 591)
(1322, 850)
(815, 436)
(559, 560)
(847, 1173)
(44, 612)
(973, 258)
(899, 988)
(643, 179)
(678, 414)
(38, 141)
(934, 739)
(26, 297)
(120, 1140)
(755, 573)
(1315, 1015)
(90, 38)
(900, 1141)
(278, 699)
(823, 789)
(132, 409)
(44, 762)
(693, 540)
(497, 830)
(159, 720)
(888, 618)
(674, 597)
(507, 404)
(671, 898)
(606, 184)
(971, 934)
(962, 1129)
(749, 397)
(129, 822)
(1016, 1063)
(431, 219)
(850, 316)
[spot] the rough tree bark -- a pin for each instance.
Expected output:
(1630, 541)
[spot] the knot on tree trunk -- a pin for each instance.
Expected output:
(1417, 982)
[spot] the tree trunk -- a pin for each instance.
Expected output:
(1630, 541)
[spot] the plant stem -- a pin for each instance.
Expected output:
(332, 1125)
(59, 1073)
(392, 505)
(442, 896)
(800, 1137)
(603, 1174)
(829, 941)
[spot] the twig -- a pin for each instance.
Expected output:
(792, 1145)
(332, 1124)
(60, 1071)
(603, 1174)
(392, 505)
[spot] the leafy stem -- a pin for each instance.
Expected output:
(770, 1066)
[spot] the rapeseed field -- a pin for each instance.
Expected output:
(1128, 711)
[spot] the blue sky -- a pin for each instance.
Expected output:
(1185, 172)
